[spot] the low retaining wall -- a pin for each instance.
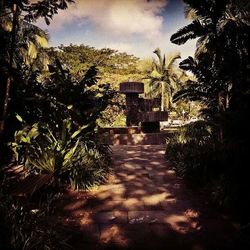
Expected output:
(121, 130)
(138, 139)
(134, 136)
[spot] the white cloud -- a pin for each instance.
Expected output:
(117, 17)
(132, 26)
(122, 47)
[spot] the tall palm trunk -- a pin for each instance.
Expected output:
(162, 97)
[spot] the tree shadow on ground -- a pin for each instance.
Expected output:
(143, 206)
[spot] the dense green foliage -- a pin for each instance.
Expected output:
(50, 121)
(163, 79)
(59, 133)
(113, 66)
(52, 102)
(222, 85)
(71, 157)
(190, 151)
(21, 40)
(197, 155)
(27, 229)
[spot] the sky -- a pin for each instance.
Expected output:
(137, 27)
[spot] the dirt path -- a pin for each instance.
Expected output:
(144, 206)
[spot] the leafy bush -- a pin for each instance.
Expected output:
(60, 96)
(70, 156)
(197, 155)
(28, 228)
(59, 124)
(190, 151)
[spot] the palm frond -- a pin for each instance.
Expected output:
(42, 41)
(190, 13)
(32, 50)
(172, 58)
(191, 31)
(188, 64)
(158, 53)
(202, 46)
(207, 8)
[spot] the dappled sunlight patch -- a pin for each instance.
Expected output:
(155, 163)
(191, 213)
(112, 178)
(160, 173)
(168, 203)
(135, 153)
(103, 195)
(82, 217)
(130, 177)
(115, 194)
(133, 204)
(179, 223)
(155, 199)
(121, 174)
(172, 172)
(128, 166)
(141, 202)
(111, 187)
(113, 234)
(139, 192)
(149, 168)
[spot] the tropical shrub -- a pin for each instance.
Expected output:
(222, 85)
(196, 153)
(190, 150)
(28, 228)
(71, 157)
(21, 42)
(58, 126)
(60, 96)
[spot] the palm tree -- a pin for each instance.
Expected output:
(221, 58)
(29, 50)
(217, 24)
(11, 12)
(164, 78)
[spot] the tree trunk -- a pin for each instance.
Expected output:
(162, 97)
(5, 105)
(16, 13)
(220, 110)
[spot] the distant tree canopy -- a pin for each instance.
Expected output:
(113, 66)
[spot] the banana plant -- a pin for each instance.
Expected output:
(46, 152)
